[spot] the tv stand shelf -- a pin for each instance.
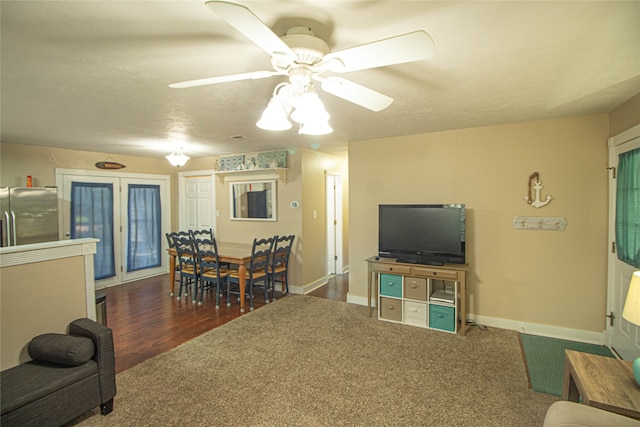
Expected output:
(421, 295)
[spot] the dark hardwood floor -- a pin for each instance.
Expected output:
(146, 321)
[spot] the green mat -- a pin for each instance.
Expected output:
(544, 358)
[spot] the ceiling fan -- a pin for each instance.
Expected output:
(303, 57)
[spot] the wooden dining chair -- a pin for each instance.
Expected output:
(279, 267)
(206, 233)
(172, 235)
(171, 241)
(211, 274)
(257, 270)
(186, 259)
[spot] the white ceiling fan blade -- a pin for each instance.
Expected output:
(408, 47)
(243, 20)
(223, 79)
(353, 92)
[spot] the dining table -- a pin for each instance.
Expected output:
(228, 252)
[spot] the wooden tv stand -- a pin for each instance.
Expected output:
(421, 295)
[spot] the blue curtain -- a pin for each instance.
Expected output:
(628, 208)
(144, 240)
(92, 216)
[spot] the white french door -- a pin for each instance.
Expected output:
(622, 336)
(119, 239)
(106, 265)
(158, 264)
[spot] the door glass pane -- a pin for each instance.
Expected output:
(628, 208)
(144, 242)
(92, 216)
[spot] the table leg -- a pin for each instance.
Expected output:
(242, 284)
(463, 304)
(569, 388)
(369, 274)
(172, 272)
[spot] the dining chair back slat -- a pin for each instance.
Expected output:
(279, 268)
(179, 234)
(211, 274)
(206, 233)
(186, 258)
(171, 241)
(258, 269)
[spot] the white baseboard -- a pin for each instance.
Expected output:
(524, 327)
(543, 330)
(351, 299)
(310, 287)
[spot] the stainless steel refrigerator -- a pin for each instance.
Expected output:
(29, 215)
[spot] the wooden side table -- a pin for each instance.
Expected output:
(602, 382)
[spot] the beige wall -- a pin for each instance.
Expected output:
(306, 185)
(38, 298)
(18, 161)
(288, 219)
(540, 277)
(315, 166)
(625, 116)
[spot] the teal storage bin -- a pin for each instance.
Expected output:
(391, 285)
(442, 318)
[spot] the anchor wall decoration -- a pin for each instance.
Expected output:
(534, 182)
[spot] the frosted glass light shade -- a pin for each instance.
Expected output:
(308, 107)
(315, 127)
(177, 158)
(274, 117)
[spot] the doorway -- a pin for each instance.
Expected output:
(622, 336)
(334, 224)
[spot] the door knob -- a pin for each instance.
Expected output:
(611, 317)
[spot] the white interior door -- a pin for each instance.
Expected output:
(197, 201)
(622, 336)
(334, 224)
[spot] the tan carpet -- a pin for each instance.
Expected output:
(308, 361)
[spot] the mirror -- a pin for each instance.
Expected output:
(253, 201)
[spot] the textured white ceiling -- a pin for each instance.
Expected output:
(93, 75)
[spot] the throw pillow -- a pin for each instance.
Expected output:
(61, 349)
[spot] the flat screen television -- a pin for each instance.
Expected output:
(422, 234)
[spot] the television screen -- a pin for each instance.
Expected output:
(426, 234)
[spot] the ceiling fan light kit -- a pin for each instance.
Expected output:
(303, 57)
(299, 101)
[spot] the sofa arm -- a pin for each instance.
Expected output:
(564, 414)
(102, 337)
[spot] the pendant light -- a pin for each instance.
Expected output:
(177, 158)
